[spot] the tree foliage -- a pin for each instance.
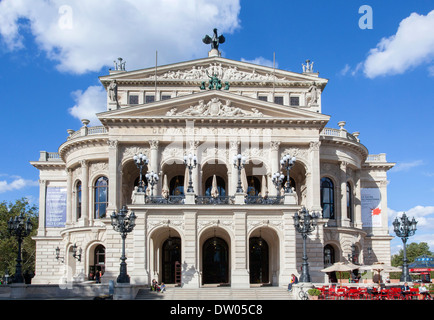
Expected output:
(9, 244)
(414, 250)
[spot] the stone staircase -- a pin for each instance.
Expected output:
(217, 293)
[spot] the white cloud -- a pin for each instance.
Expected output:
(345, 70)
(16, 184)
(404, 166)
(86, 35)
(88, 103)
(411, 46)
(261, 61)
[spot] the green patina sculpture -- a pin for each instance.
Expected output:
(214, 83)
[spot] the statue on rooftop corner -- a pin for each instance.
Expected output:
(215, 40)
(307, 67)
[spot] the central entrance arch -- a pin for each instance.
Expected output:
(215, 261)
(171, 255)
(259, 260)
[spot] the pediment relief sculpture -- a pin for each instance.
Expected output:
(222, 72)
(215, 108)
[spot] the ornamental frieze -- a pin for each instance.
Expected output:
(215, 108)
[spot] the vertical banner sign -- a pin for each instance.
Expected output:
(55, 207)
(371, 207)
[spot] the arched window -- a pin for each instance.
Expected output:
(327, 198)
(221, 186)
(101, 197)
(176, 186)
(349, 202)
(329, 255)
(78, 199)
(254, 186)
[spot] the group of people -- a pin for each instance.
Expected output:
(158, 287)
(423, 290)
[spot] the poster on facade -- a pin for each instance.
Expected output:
(55, 207)
(371, 207)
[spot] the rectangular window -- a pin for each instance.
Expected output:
(262, 98)
(165, 97)
(149, 99)
(134, 99)
(278, 100)
(294, 101)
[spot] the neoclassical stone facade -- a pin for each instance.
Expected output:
(238, 239)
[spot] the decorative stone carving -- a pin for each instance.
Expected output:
(130, 152)
(215, 108)
(223, 72)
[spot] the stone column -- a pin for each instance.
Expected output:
(113, 176)
(190, 255)
(233, 182)
(195, 171)
(315, 176)
(42, 197)
(239, 276)
(344, 221)
(288, 256)
(357, 201)
(154, 165)
(84, 192)
(69, 196)
(274, 166)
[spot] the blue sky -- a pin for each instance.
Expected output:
(381, 80)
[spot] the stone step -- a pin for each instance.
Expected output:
(217, 293)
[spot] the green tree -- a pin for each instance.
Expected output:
(9, 244)
(414, 250)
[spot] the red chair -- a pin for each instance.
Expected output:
(353, 294)
(363, 293)
(414, 292)
(395, 294)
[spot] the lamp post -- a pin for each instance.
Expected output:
(123, 224)
(287, 162)
(305, 223)
(190, 161)
(239, 162)
(74, 252)
(20, 229)
(404, 230)
(277, 181)
(152, 178)
(141, 160)
(58, 255)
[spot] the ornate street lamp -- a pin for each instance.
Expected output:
(74, 252)
(190, 161)
(305, 223)
(152, 178)
(20, 229)
(141, 160)
(287, 163)
(239, 162)
(277, 181)
(404, 229)
(123, 224)
(58, 255)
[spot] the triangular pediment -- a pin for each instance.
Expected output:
(195, 71)
(216, 105)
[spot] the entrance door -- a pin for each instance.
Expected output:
(258, 260)
(171, 255)
(215, 263)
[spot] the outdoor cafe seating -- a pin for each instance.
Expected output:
(338, 292)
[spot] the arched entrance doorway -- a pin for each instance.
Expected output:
(215, 263)
(97, 261)
(259, 260)
(170, 257)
